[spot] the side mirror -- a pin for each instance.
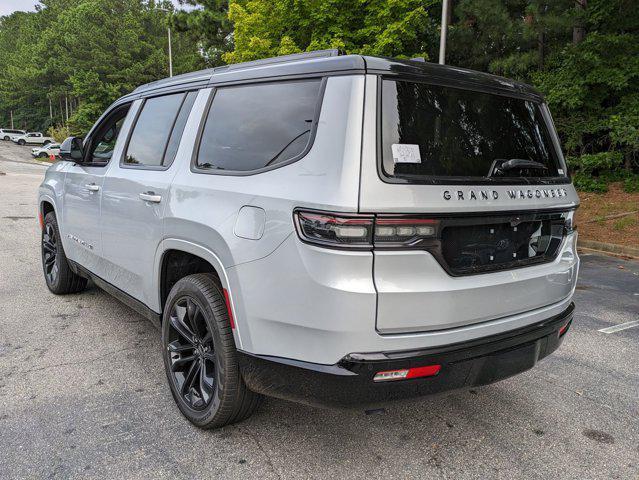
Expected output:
(71, 150)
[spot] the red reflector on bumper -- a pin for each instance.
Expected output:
(404, 374)
(564, 329)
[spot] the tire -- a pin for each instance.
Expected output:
(46, 142)
(58, 275)
(6, 139)
(200, 357)
(43, 155)
(21, 142)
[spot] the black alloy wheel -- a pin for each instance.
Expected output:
(57, 271)
(50, 254)
(200, 356)
(192, 353)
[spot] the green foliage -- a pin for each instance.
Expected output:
(377, 27)
(209, 25)
(596, 163)
(631, 184)
(78, 56)
(86, 53)
(59, 133)
(587, 183)
(624, 223)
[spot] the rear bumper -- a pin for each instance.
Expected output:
(350, 383)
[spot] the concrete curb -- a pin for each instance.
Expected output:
(608, 248)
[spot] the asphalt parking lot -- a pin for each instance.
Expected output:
(83, 392)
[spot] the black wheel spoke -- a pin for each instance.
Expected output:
(49, 253)
(181, 362)
(181, 328)
(190, 378)
(206, 389)
(191, 354)
(176, 347)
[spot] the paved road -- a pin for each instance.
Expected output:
(83, 393)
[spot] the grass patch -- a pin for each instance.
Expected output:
(624, 223)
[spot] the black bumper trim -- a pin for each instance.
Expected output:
(350, 382)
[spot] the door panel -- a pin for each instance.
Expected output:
(136, 191)
(81, 206)
(132, 226)
(81, 215)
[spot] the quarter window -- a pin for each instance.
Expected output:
(252, 127)
(153, 130)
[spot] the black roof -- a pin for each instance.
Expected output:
(330, 62)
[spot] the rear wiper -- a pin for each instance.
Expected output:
(502, 166)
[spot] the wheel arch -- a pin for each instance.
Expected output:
(174, 248)
(46, 206)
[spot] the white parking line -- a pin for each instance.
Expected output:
(622, 326)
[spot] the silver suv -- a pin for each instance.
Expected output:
(334, 230)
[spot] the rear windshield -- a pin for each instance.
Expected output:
(431, 132)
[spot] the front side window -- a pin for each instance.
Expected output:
(152, 130)
(252, 127)
(103, 140)
(431, 132)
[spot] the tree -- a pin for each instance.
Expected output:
(208, 25)
(266, 28)
(87, 54)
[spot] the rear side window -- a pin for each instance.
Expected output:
(431, 132)
(158, 130)
(253, 127)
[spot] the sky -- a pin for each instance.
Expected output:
(10, 6)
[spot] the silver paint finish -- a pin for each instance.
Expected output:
(318, 305)
(291, 299)
(416, 294)
(250, 223)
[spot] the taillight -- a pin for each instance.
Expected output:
(335, 229)
(363, 231)
(394, 231)
(569, 218)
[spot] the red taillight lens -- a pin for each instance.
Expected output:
(405, 374)
(334, 229)
(363, 231)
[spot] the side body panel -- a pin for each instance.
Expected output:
(204, 208)
(132, 227)
(80, 225)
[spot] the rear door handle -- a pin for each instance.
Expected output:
(92, 187)
(151, 197)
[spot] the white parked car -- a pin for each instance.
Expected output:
(7, 133)
(46, 151)
(32, 137)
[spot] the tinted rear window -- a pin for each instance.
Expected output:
(152, 129)
(256, 126)
(431, 132)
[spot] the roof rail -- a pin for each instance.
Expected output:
(294, 57)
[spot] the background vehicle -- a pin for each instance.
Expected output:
(320, 228)
(31, 137)
(46, 151)
(6, 133)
